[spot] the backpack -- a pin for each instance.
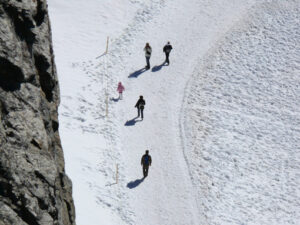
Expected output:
(167, 48)
(146, 160)
(141, 105)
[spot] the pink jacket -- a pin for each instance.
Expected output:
(120, 88)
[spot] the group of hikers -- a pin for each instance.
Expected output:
(148, 50)
(140, 105)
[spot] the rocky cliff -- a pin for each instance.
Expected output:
(34, 188)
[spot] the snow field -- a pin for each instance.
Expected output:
(242, 123)
(188, 182)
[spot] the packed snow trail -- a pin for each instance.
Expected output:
(94, 143)
(166, 196)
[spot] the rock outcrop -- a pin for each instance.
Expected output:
(34, 188)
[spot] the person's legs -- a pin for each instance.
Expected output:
(138, 111)
(167, 57)
(145, 170)
(121, 96)
(148, 62)
(142, 113)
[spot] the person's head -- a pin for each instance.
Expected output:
(147, 152)
(147, 44)
(120, 83)
(168, 42)
(141, 96)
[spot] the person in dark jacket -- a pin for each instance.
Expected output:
(146, 162)
(167, 49)
(140, 106)
(148, 51)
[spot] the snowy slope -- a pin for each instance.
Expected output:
(186, 109)
(242, 123)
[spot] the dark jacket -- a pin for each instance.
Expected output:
(167, 48)
(140, 103)
(145, 161)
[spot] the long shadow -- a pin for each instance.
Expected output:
(111, 184)
(157, 68)
(132, 122)
(115, 99)
(137, 73)
(101, 55)
(134, 184)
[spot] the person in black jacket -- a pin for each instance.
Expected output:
(146, 162)
(140, 106)
(167, 49)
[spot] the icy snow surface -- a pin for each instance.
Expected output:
(221, 122)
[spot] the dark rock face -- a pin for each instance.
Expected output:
(34, 188)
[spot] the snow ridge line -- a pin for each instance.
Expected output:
(202, 62)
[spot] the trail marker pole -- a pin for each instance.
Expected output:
(117, 173)
(106, 102)
(107, 41)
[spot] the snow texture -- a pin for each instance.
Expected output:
(242, 123)
(221, 121)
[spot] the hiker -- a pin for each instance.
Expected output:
(167, 49)
(146, 162)
(120, 89)
(140, 106)
(148, 51)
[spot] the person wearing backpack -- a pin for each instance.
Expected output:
(120, 89)
(148, 51)
(167, 49)
(140, 106)
(146, 162)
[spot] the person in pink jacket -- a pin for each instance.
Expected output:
(120, 89)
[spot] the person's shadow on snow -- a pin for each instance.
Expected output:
(157, 68)
(137, 73)
(115, 99)
(132, 122)
(134, 184)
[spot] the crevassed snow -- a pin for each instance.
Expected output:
(212, 118)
